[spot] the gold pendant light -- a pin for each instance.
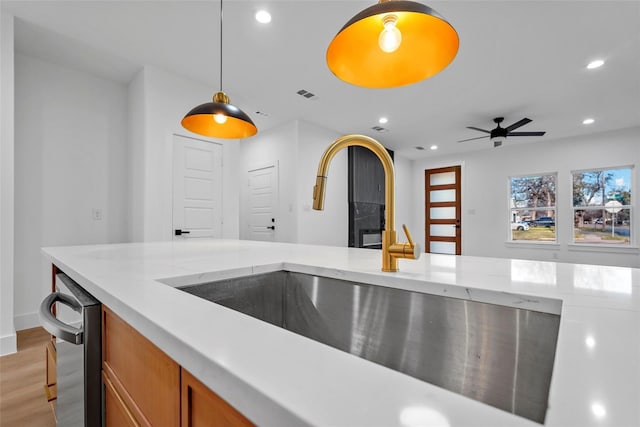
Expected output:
(220, 118)
(393, 43)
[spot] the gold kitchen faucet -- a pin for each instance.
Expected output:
(391, 249)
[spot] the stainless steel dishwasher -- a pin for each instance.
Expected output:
(77, 328)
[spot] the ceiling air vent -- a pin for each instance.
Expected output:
(380, 129)
(307, 94)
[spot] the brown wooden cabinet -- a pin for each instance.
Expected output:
(117, 414)
(145, 387)
(144, 378)
(203, 408)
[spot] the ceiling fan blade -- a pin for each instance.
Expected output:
(471, 139)
(517, 124)
(481, 130)
(535, 133)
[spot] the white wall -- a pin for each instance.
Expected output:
(404, 200)
(70, 158)
(87, 143)
(275, 146)
(166, 98)
(135, 131)
(485, 174)
(330, 226)
(7, 330)
(297, 147)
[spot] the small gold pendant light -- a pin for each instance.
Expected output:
(393, 43)
(220, 118)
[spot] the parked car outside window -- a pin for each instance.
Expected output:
(519, 225)
(544, 221)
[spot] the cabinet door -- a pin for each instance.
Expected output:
(116, 413)
(366, 176)
(145, 378)
(201, 407)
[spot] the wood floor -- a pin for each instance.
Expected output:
(22, 378)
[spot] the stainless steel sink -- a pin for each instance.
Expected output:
(502, 356)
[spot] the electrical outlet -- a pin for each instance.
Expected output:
(96, 214)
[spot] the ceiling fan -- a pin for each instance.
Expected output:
(499, 134)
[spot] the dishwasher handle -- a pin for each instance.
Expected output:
(56, 327)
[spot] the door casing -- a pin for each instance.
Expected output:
(456, 221)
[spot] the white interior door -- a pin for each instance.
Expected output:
(263, 196)
(197, 188)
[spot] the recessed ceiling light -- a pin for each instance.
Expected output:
(598, 410)
(590, 342)
(595, 64)
(587, 121)
(383, 120)
(434, 147)
(263, 17)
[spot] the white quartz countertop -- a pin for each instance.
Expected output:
(277, 378)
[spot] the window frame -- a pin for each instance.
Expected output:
(593, 246)
(512, 208)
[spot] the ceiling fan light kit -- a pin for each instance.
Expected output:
(219, 118)
(498, 140)
(392, 43)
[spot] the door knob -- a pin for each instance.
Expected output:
(273, 227)
(179, 232)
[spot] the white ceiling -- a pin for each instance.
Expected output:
(516, 59)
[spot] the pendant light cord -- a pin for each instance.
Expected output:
(220, 45)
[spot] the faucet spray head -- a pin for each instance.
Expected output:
(319, 192)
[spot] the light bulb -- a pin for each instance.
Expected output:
(220, 118)
(390, 38)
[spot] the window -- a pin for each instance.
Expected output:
(602, 206)
(533, 208)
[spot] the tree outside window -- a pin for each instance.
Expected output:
(602, 206)
(533, 208)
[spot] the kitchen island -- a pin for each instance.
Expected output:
(277, 378)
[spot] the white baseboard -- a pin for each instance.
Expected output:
(8, 344)
(26, 321)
